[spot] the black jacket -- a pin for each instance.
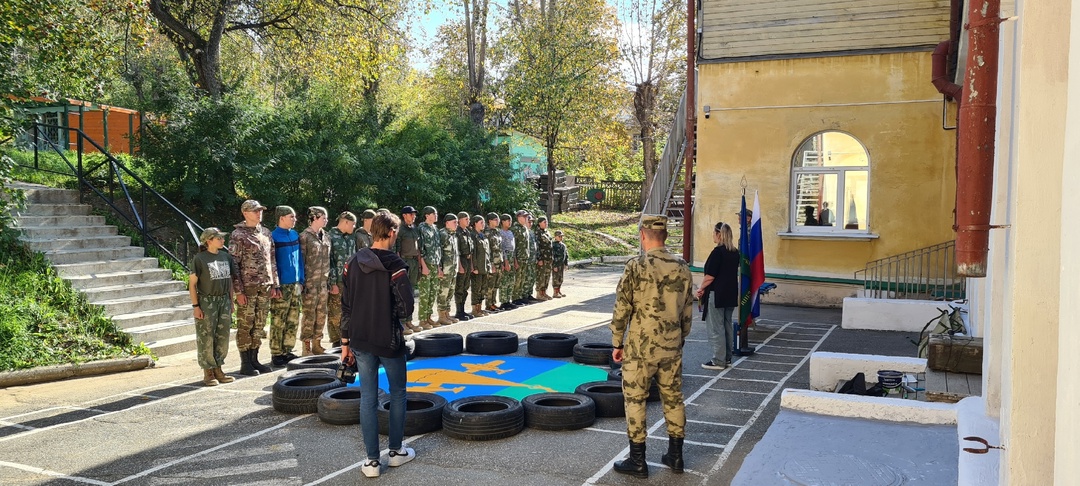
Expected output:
(376, 296)
(723, 266)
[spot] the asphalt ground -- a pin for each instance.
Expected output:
(160, 426)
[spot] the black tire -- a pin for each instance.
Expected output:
(607, 395)
(300, 394)
(336, 351)
(423, 413)
(491, 342)
(439, 344)
(593, 353)
(552, 345)
(484, 417)
(327, 361)
(559, 411)
(654, 389)
(307, 372)
(614, 364)
(340, 406)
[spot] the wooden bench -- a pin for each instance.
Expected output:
(949, 387)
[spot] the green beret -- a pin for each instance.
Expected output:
(491, 216)
(430, 210)
(476, 219)
(368, 214)
(283, 211)
(653, 221)
(504, 217)
(463, 214)
(449, 217)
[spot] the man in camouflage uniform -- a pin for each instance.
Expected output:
(315, 249)
(481, 265)
(521, 255)
(342, 246)
(363, 233)
(448, 270)
(430, 264)
(559, 259)
(491, 284)
(252, 249)
(407, 245)
(466, 242)
(649, 326)
(530, 276)
(509, 273)
(543, 258)
(285, 308)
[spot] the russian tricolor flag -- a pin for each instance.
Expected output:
(752, 266)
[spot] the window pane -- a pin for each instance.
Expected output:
(855, 195)
(831, 149)
(814, 193)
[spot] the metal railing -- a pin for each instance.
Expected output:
(668, 167)
(926, 274)
(134, 193)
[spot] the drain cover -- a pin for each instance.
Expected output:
(840, 470)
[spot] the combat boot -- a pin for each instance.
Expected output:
(542, 295)
(508, 306)
(208, 378)
(558, 293)
(254, 353)
(493, 309)
(428, 324)
(477, 311)
(316, 347)
(222, 377)
(634, 464)
(673, 458)
(461, 315)
(245, 364)
(307, 348)
(444, 318)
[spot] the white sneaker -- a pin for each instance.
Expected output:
(371, 468)
(401, 456)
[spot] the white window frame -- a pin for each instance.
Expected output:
(839, 212)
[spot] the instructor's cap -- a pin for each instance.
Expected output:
(463, 214)
(210, 233)
(449, 217)
(654, 222)
(408, 210)
(252, 205)
(430, 210)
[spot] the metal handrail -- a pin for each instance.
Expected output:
(669, 164)
(116, 169)
(926, 273)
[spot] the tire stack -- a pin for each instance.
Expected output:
(300, 394)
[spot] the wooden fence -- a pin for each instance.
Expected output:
(625, 195)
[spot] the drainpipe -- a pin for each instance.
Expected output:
(691, 121)
(939, 74)
(976, 144)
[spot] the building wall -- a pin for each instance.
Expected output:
(122, 126)
(762, 111)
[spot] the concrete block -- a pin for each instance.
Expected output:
(889, 314)
(827, 368)
(873, 408)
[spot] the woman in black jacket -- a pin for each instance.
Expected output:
(721, 285)
(375, 299)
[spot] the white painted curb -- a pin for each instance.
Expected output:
(872, 408)
(889, 314)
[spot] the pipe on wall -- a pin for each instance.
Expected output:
(940, 72)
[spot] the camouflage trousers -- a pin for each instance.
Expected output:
(429, 291)
(414, 270)
(284, 319)
(543, 277)
(530, 280)
(461, 286)
(521, 280)
(251, 317)
(212, 331)
(333, 316)
(637, 376)
(479, 291)
(506, 285)
(446, 289)
(557, 276)
(491, 285)
(313, 315)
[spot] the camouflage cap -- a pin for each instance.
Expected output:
(449, 217)
(463, 214)
(252, 205)
(476, 219)
(521, 212)
(654, 222)
(505, 217)
(430, 210)
(491, 216)
(558, 232)
(283, 211)
(210, 233)
(368, 214)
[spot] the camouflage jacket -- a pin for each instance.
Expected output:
(363, 238)
(481, 253)
(494, 238)
(408, 244)
(521, 243)
(252, 249)
(532, 247)
(559, 257)
(342, 246)
(543, 245)
(315, 249)
(430, 246)
(465, 245)
(449, 252)
(653, 306)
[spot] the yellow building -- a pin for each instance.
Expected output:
(827, 110)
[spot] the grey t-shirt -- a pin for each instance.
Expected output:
(214, 272)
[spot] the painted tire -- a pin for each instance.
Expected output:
(559, 411)
(307, 372)
(593, 353)
(439, 344)
(491, 342)
(423, 413)
(552, 345)
(484, 417)
(300, 394)
(654, 389)
(328, 361)
(607, 395)
(341, 406)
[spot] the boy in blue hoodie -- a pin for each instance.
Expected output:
(287, 298)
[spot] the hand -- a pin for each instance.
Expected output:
(441, 275)
(275, 293)
(699, 293)
(506, 267)
(199, 313)
(424, 270)
(346, 355)
(461, 270)
(476, 272)
(241, 298)
(616, 355)
(334, 290)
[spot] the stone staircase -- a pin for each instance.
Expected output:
(142, 299)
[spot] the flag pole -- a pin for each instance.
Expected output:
(741, 344)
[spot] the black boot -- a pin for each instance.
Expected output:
(461, 315)
(634, 464)
(673, 458)
(245, 364)
(254, 356)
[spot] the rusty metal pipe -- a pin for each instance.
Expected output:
(940, 70)
(691, 121)
(977, 135)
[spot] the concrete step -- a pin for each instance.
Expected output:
(83, 243)
(37, 209)
(47, 232)
(144, 289)
(104, 267)
(152, 333)
(35, 221)
(150, 317)
(58, 257)
(93, 281)
(129, 305)
(38, 194)
(183, 344)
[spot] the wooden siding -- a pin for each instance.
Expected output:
(732, 29)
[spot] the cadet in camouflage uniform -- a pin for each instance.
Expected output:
(448, 270)
(530, 269)
(315, 249)
(430, 260)
(407, 245)
(342, 246)
(521, 255)
(210, 288)
(252, 248)
(481, 265)
(465, 242)
(363, 233)
(651, 319)
(559, 259)
(543, 258)
(509, 273)
(491, 285)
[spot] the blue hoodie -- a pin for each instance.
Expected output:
(290, 266)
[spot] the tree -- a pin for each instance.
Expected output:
(559, 61)
(476, 13)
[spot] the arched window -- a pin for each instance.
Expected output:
(830, 173)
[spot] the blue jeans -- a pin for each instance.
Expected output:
(367, 366)
(720, 333)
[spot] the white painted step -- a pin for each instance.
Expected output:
(150, 317)
(128, 305)
(161, 331)
(145, 289)
(47, 232)
(30, 221)
(36, 209)
(93, 255)
(91, 281)
(105, 267)
(84, 243)
(186, 343)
